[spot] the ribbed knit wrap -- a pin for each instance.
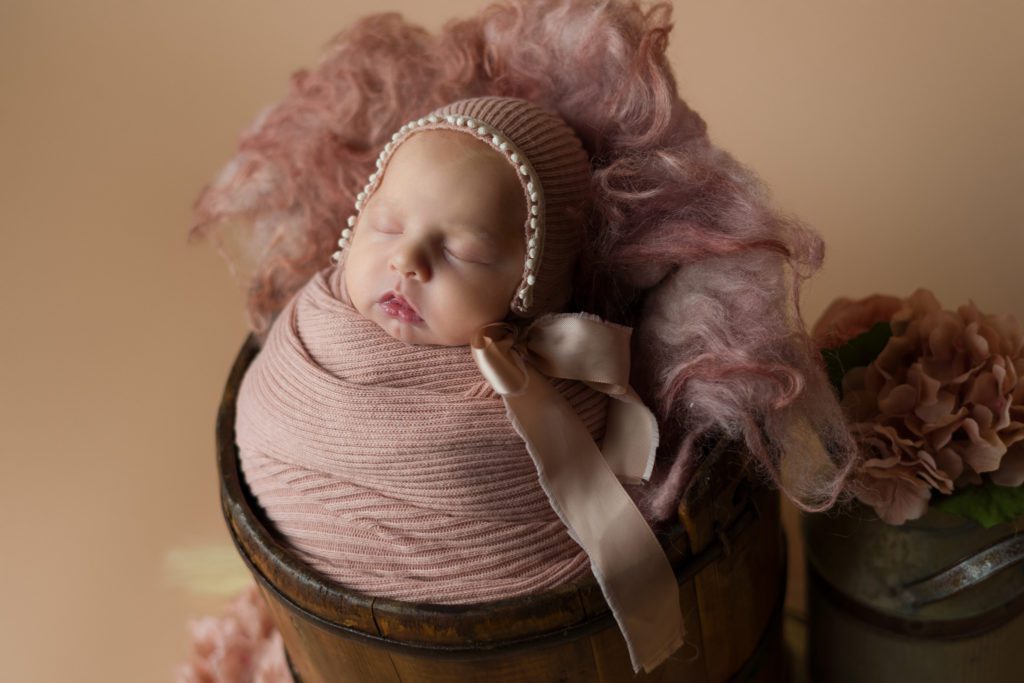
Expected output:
(394, 469)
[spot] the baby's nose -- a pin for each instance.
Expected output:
(410, 261)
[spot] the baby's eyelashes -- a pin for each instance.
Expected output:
(469, 255)
(388, 228)
(458, 249)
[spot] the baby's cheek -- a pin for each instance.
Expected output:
(491, 307)
(453, 318)
(358, 286)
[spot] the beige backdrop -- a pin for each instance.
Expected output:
(895, 128)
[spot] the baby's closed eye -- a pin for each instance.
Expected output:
(388, 227)
(469, 254)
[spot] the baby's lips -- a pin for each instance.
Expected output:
(393, 295)
(398, 306)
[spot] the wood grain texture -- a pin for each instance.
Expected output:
(739, 593)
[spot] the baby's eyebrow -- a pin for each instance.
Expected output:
(385, 202)
(472, 230)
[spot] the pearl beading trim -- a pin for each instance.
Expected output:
(497, 140)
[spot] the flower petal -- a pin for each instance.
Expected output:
(1011, 469)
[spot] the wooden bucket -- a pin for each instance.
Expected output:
(937, 599)
(726, 548)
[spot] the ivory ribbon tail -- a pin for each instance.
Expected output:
(628, 561)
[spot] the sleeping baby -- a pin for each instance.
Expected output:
(424, 421)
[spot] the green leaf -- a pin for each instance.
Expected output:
(858, 352)
(987, 504)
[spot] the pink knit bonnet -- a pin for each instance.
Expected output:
(553, 169)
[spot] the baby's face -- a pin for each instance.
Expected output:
(437, 250)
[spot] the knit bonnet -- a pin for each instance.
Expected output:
(553, 170)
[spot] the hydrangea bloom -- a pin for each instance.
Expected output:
(941, 406)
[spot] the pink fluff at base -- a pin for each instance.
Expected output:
(241, 646)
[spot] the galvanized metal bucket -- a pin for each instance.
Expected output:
(939, 598)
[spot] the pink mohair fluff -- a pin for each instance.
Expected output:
(683, 243)
(241, 646)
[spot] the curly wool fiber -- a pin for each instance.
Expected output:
(683, 243)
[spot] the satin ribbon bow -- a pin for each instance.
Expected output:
(582, 482)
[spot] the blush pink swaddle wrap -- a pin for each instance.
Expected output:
(399, 471)
(394, 469)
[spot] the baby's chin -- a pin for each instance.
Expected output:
(417, 334)
(402, 332)
(413, 334)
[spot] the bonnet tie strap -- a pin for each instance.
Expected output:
(582, 482)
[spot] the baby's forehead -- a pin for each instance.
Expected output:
(453, 175)
(442, 149)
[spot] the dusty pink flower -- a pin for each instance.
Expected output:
(896, 477)
(845, 319)
(241, 646)
(942, 404)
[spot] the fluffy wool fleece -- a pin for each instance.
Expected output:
(683, 242)
(240, 646)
